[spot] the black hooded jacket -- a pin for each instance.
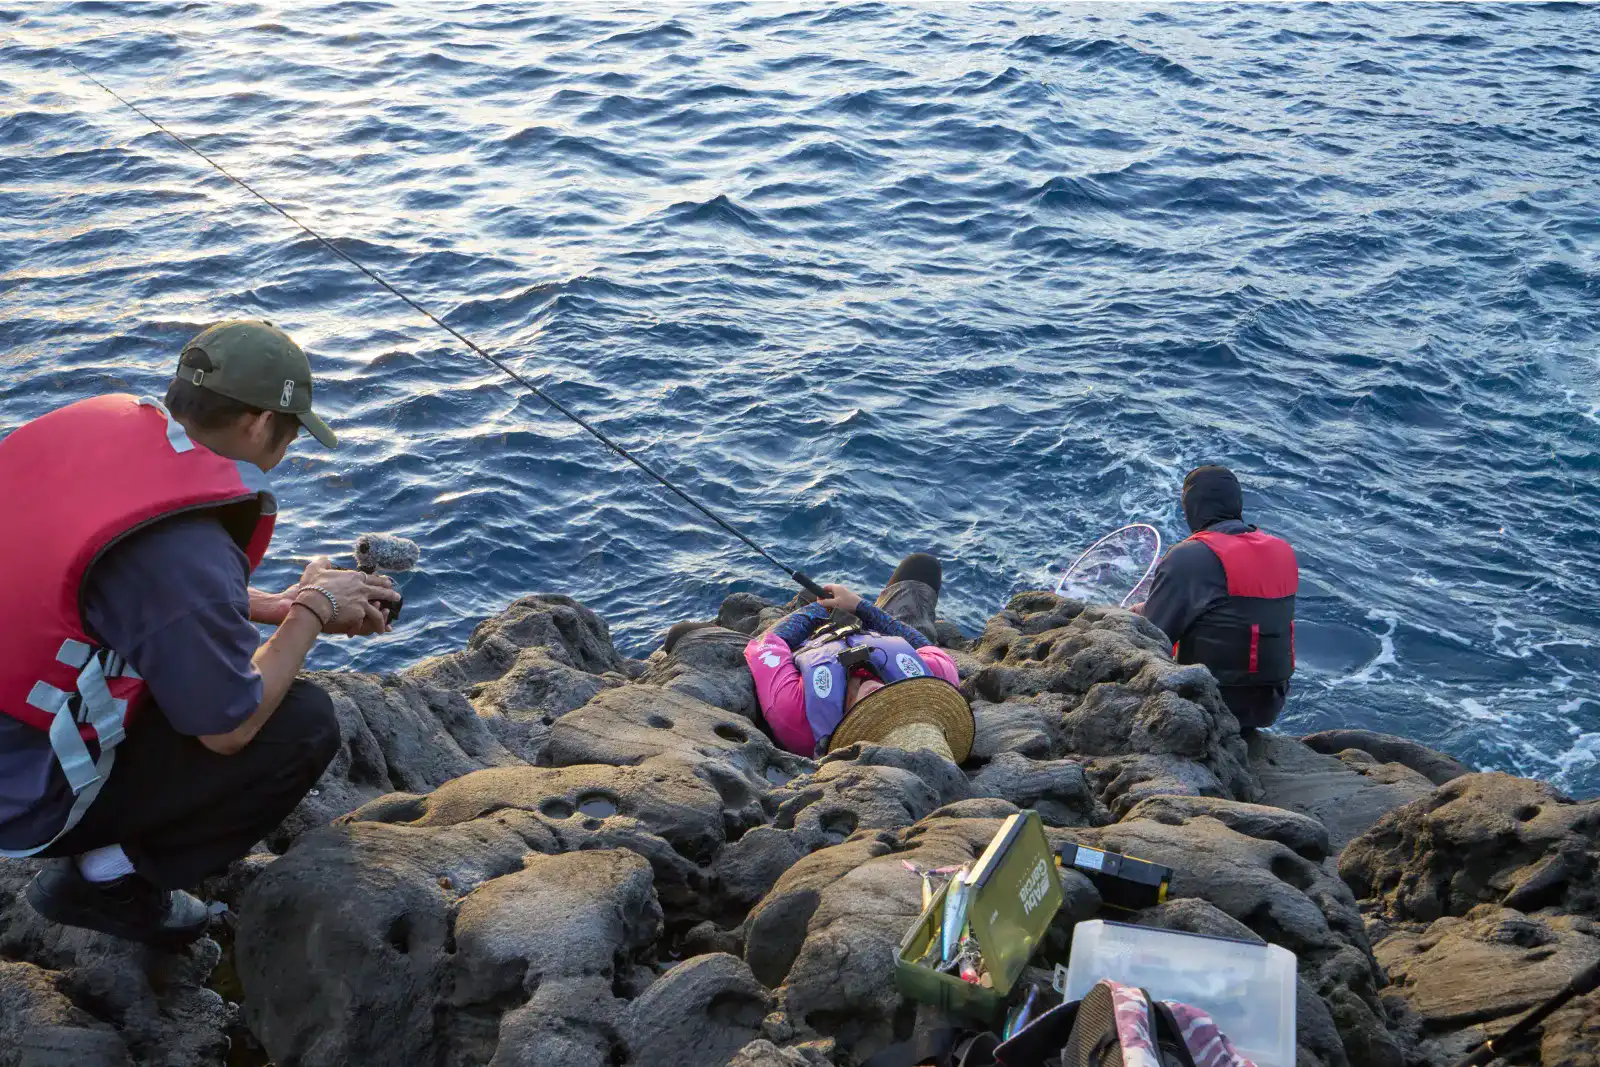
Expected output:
(1191, 581)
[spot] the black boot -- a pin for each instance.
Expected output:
(127, 907)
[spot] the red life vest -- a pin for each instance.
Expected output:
(1248, 639)
(75, 482)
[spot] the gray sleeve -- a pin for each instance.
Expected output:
(1187, 584)
(877, 619)
(174, 601)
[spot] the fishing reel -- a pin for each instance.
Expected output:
(857, 657)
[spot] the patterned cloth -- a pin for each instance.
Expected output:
(1207, 1045)
(1132, 1012)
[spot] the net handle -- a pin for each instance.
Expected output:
(1155, 558)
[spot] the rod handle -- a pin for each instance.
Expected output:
(810, 586)
(390, 608)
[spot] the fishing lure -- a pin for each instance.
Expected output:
(927, 882)
(955, 913)
(969, 971)
(1022, 1015)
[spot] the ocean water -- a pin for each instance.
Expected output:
(983, 280)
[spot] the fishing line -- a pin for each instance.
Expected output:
(596, 432)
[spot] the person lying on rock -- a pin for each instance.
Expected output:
(1225, 598)
(877, 679)
(146, 741)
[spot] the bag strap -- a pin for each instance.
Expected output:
(978, 1050)
(1164, 1023)
(1039, 1043)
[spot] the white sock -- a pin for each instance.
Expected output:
(105, 864)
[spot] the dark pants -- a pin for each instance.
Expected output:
(182, 812)
(1255, 706)
(919, 567)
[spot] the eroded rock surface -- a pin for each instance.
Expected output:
(1147, 725)
(537, 851)
(629, 725)
(526, 667)
(1345, 796)
(708, 665)
(1387, 748)
(1480, 839)
(99, 1001)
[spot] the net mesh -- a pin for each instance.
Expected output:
(1116, 569)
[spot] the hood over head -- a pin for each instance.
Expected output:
(1211, 494)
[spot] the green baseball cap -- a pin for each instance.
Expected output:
(255, 363)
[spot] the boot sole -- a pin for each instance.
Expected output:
(55, 911)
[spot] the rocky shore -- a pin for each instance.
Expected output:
(538, 852)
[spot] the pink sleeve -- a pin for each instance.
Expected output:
(782, 696)
(940, 663)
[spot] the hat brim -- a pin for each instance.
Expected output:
(929, 700)
(318, 429)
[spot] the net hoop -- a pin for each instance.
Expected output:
(1155, 558)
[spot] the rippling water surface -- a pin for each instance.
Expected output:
(981, 280)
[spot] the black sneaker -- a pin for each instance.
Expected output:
(128, 907)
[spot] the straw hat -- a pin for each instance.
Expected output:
(914, 713)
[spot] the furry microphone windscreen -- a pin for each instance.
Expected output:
(385, 552)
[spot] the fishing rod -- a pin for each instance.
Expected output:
(797, 575)
(1582, 984)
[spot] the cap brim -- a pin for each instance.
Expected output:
(318, 429)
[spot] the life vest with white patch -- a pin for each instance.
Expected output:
(76, 482)
(1247, 639)
(824, 677)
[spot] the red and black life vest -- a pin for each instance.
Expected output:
(74, 483)
(1248, 639)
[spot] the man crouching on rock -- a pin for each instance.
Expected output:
(146, 741)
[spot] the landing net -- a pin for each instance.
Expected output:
(1116, 569)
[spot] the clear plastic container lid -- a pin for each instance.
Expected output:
(1248, 989)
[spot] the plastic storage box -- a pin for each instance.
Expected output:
(1247, 988)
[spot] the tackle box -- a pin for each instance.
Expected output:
(1016, 892)
(1125, 882)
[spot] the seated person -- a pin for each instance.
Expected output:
(1225, 597)
(810, 674)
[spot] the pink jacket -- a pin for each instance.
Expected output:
(782, 694)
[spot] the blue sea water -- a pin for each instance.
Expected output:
(982, 280)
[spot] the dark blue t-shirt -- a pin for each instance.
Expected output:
(174, 601)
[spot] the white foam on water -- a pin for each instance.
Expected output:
(1584, 753)
(1384, 658)
(1432, 631)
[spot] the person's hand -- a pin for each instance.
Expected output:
(358, 595)
(841, 598)
(1138, 609)
(317, 565)
(276, 608)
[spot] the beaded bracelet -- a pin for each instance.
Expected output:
(315, 614)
